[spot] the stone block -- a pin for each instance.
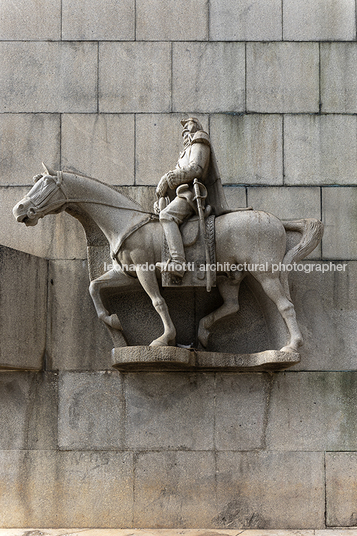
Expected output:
(89, 20)
(338, 77)
(321, 20)
(209, 77)
(144, 195)
(23, 301)
(90, 411)
(320, 149)
(152, 134)
(236, 196)
(282, 77)
(259, 20)
(100, 146)
(174, 489)
(270, 489)
(58, 236)
(326, 309)
(240, 412)
(28, 411)
(57, 489)
(48, 77)
(23, 150)
(169, 411)
(248, 148)
(339, 214)
(77, 339)
(169, 20)
(341, 491)
(134, 77)
(22, 20)
(304, 417)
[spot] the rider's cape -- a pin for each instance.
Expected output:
(215, 193)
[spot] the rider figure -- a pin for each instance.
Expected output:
(197, 161)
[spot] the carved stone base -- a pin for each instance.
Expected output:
(166, 358)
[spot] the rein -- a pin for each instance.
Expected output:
(58, 185)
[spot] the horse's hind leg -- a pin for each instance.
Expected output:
(274, 289)
(229, 289)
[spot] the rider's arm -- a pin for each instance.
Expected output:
(199, 158)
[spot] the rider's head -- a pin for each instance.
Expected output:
(190, 126)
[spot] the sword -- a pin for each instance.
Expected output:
(198, 197)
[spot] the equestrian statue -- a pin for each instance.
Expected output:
(190, 202)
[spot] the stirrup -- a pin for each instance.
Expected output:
(176, 268)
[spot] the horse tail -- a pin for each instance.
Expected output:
(311, 231)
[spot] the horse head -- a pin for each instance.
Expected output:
(45, 197)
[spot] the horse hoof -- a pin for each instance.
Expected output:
(163, 342)
(288, 349)
(114, 322)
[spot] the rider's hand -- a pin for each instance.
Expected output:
(157, 207)
(162, 187)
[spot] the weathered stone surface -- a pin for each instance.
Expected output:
(282, 77)
(208, 77)
(95, 145)
(326, 309)
(134, 77)
(77, 339)
(58, 236)
(248, 148)
(236, 196)
(91, 411)
(341, 493)
(54, 77)
(338, 77)
(240, 414)
(28, 411)
(56, 489)
(269, 489)
(174, 489)
(304, 416)
(169, 411)
(22, 150)
(22, 20)
(23, 302)
(320, 149)
(177, 22)
(153, 131)
(90, 20)
(259, 20)
(319, 20)
(339, 214)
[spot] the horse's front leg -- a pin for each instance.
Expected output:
(150, 285)
(111, 279)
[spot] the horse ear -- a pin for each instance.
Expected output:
(48, 170)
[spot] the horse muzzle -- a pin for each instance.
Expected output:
(25, 212)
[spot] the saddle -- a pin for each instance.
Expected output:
(195, 253)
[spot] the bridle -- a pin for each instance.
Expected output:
(41, 199)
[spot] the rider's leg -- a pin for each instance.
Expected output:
(170, 218)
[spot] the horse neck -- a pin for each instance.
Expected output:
(109, 209)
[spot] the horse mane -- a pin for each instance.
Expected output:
(79, 174)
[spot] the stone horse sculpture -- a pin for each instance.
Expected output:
(135, 238)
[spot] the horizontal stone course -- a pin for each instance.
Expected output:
(208, 77)
(338, 77)
(248, 148)
(99, 145)
(177, 21)
(320, 20)
(282, 77)
(91, 20)
(50, 77)
(320, 149)
(257, 20)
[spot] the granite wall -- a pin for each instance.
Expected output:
(100, 87)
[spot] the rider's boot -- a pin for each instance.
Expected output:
(176, 264)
